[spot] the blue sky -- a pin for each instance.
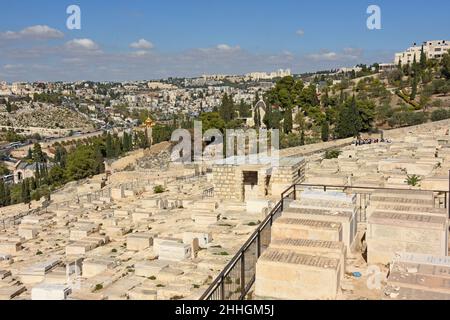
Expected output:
(193, 37)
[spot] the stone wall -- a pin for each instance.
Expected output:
(286, 175)
(227, 182)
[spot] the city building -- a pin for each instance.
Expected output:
(433, 49)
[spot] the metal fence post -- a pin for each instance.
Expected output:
(258, 245)
(222, 288)
(243, 275)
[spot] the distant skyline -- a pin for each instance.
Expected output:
(144, 40)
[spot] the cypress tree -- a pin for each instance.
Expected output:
(423, 59)
(27, 193)
(325, 131)
(109, 146)
(30, 154)
(287, 125)
(414, 88)
(7, 195)
(349, 122)
(37, 173)
(2, 193)
(302, 138)
(23, 191)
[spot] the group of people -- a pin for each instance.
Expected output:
(361, 142)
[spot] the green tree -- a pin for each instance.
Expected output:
(109, 146)
(423, 59)
(84, 162)
(302, 137)
(56, 175)
(38, 155)
(349, 122)
(60, 156)
(29, 154)
(212, 120)
(287, 124)
(325, 131)
(2, 193)
(26, 194)
(445, 66)
(244, 109)
(227, 109)
(413, 88)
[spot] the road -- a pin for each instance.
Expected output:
(21, 151)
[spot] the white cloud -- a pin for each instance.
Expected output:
(12, 66)
(300, 32)
(33, 32)
(327, 56)
(82, 44)
(225, 47)
(142, 44)
(345, 55)
(139, 53)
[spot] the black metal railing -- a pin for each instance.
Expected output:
(237, 279)
(208, 193)
(364, 194)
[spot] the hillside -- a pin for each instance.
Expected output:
(45, 117)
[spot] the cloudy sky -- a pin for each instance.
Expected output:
(137, 39)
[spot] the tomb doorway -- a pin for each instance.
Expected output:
(250, 185)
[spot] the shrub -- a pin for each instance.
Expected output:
(440, 114)
(98, 287)
(413, 180)
(159, 189)
(332, 154)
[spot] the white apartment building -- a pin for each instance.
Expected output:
(267, 76)
(433, 49)
(4, 89)
(348, 70)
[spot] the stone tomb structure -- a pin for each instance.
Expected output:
(310, 242)
(234, 179)
(415, 276)
(405, 222)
